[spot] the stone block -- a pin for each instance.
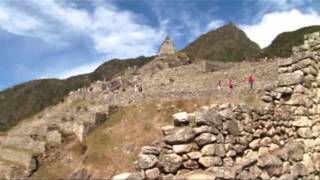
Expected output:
(288, 79)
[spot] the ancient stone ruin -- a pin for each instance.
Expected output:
(277, 141)
(167, 47)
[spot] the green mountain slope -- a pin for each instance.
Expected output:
(282, 45)
(26, 99)
(227, 43)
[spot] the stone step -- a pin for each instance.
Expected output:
(23, 142)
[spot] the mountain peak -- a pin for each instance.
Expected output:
(227, 43)
(230, 24)
(229, 27)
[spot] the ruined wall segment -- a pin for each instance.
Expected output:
(167, 47)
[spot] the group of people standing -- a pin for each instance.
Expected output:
(251, 80)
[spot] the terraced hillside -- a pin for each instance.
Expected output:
(60, 132)
(26, 99)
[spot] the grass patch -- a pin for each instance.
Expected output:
(251, 99)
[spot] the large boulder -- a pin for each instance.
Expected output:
(190, 164)
(271, 163)
(293, 151)
(298, 169)
(205, 129)
(209, 161)
(220, 150)
(226, 113)
(305, 132)
(286, 62)
(299, 100)
(153, 173)
(147, 161)
(208, 150)
(205, 138)
(194, 155)
(209, 118)
(222, 172)
(316, 160)
(180, 135)
(170, 162)
(182, 148)
(308, 163)
(233, 128)
(181, 119)
(287, 79)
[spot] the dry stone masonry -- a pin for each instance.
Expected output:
(230, 142)
(279, 140)
(23, 147)
(167, 47)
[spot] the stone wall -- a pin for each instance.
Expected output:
(277, 141)
(230, 142)
(299, 80)
(167, 47)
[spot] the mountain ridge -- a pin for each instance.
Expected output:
(31, 97)
(24, 100)
(227, 43)
(282, 45)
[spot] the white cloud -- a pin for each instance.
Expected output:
(123, 35)
(86, 68)
(13, 21)
(275, 23)
(115, 33)
(214, 24)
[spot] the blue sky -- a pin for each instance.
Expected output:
(61, 38)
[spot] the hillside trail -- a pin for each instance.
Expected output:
(188, 82)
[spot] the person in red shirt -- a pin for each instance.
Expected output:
(230, 85)
(251, 81)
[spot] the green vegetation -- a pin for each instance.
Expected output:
(252, 100)
(227, 43)
(282, 45)
(29, 98)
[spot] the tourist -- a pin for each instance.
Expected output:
(219, 85)
(230, 84)
(251, 81)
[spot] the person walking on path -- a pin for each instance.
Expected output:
(251, 81)
(230, 85)
(219, 85)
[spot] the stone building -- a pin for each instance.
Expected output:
(167, 47)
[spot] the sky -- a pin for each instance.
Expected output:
(61, 38)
